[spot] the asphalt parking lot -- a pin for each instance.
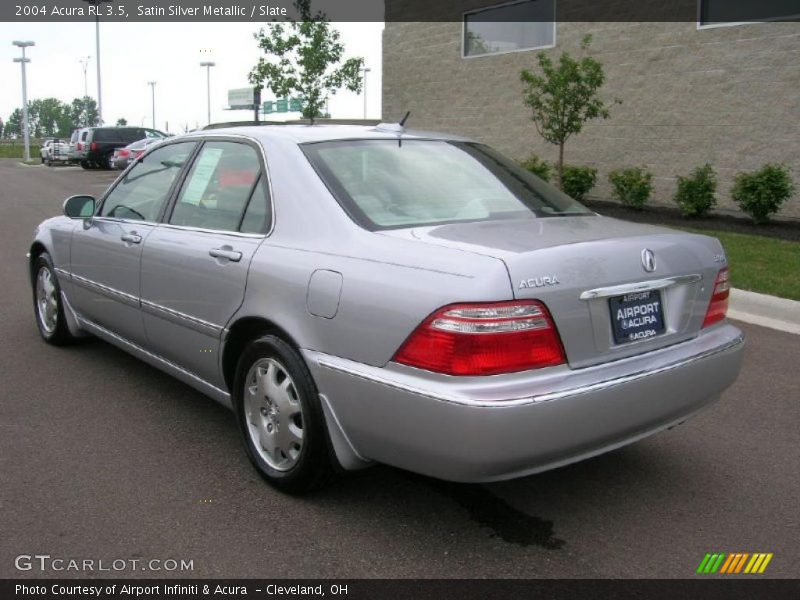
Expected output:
(104, 457)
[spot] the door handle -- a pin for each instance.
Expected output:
(133, 237)
(231, 255)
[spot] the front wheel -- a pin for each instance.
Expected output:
(47, 304)
(280, 417)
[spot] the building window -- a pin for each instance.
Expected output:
(513, 27)
(717, 12)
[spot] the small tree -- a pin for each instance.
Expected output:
(122, 122)
(563, 97)
(305, 58)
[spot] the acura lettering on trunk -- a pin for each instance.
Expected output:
(360, 295)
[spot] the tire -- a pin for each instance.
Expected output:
(109, 162)
(48, 307)
(285, 417)
(85, 164)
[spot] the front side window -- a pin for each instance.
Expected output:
(144, 190)
(384, 184)
(218, 187)
(512, 27)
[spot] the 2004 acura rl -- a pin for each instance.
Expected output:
(366, 294)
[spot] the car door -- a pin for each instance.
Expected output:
(195, 264)
(106, 250)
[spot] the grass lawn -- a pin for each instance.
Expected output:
(761, 264)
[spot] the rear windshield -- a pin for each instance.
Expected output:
(388, 184)
(114, 134)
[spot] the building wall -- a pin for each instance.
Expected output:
(725, 95)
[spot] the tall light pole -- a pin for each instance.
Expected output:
(97, 4)
(22, 61)
(365, 70)
(85, 64)
(152, 85)
(208, 65)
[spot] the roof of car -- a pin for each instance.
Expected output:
(321, 133)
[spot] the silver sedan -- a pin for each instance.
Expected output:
(372, 294)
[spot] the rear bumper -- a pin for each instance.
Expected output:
(492, 428)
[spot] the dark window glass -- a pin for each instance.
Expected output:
(218, 187)
(387, 184)
(742, 11)
(508, 28)
(143, 191)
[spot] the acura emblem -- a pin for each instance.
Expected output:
(648, 260)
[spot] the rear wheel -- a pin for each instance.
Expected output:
(109, 161)
(85, 164)
(47, 304)
(280, 417)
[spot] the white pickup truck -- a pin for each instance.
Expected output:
(55, 151)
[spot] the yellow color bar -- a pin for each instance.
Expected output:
(753, 564)
(765, 563)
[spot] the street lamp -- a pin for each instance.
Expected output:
(85, 64)
(22, 61)
(152, 85)
(365, 70)
(208, 65)
(97, 3)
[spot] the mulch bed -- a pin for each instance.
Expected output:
(671, 217)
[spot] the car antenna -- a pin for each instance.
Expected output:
(394, 127)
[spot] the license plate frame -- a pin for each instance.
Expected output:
(637, 316)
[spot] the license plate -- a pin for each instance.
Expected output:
(637, 316)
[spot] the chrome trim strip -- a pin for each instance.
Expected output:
(61, 271)
(197, 382)
(108, 291)
(181, 318)
(257, 236)
(572, 392)
(641, 286)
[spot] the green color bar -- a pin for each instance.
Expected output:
(718, 564)
(701, 568)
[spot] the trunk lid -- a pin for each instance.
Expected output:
(577, 265)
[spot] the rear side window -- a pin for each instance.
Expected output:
(257, 216)
(218, 187)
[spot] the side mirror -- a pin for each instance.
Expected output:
(79, 207)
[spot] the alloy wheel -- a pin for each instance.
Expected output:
(46, 300)
(273, 414)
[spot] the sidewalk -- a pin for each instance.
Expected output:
(764, 310)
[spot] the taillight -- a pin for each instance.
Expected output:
(718, 307)
(93, 146)
(79, 146)
(124, 153)
(484, 339)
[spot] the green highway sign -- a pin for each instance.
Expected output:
(269, 107)
(283, 105)
(296, 105)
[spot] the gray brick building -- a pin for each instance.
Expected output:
(728, 95)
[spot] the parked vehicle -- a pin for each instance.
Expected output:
(78, 145)
(102, 141)
(54, 151)
(124, 156)
(371, 294)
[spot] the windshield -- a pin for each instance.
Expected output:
(385, 184)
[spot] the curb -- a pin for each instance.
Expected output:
(766, 311)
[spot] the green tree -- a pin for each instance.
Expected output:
(49, 117)
(2, 129)
(84, 112)
(304, 58)
(122, 122)
(14, 124)
(564, 96)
